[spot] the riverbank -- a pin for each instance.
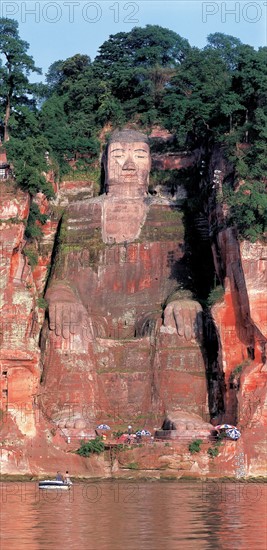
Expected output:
(42, 458)
(7, 478)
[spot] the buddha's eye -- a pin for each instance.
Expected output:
(140, 154)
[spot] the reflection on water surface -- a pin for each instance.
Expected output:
(122, 515)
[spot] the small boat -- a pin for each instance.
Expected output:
(54, 484)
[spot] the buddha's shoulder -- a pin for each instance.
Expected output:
(86, 209)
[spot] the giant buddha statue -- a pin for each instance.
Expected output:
(122, 337)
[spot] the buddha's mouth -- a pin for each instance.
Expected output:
(130, 178)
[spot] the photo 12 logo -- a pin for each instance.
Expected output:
(71, 12)
(226, 12)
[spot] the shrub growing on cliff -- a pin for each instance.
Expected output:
(28, 159)
(33, 230)
(90, 447)
(213, 451)
(132, 466)
(215, 295)
(32, 256)
(42, 303)
(238, 369)
(194, 446)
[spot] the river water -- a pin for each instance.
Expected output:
(111, 515)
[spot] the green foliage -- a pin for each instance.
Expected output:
(227, 46)
(213, 451)
(138, 66)
(209, 96)
(32, 256)
(28, 159)
(85, 172)
(132, 466)
(62, 73)
(193, 103)
(248, 209)
(69, 130)
(94, 446)
(15, 85)
(169, 179)
(238, 369)
(220, 437)
(33, 230)
(42, 303)
(194, 446)
(11, 220)
(215, 295)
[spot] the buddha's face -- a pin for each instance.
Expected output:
(128, 167)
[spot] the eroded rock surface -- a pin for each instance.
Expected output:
(20, 320)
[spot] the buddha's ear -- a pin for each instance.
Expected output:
(103, 179)
(149, 170)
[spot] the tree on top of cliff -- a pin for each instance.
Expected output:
(199, 103)
(145, 47)
(250, 83)
(227, 46)
(138, 66)
(218, 94)
(248, 210)
(61, 74)
(14, 71)
(68, 116)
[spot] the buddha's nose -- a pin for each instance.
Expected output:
(129, 165)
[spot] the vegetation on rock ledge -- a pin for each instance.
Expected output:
(94, 446)
(194, 446)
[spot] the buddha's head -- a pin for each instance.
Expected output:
(127, 164)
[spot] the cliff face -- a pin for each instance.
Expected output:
(241, 324)
(20, 319)
(122, 338)
(240, 319)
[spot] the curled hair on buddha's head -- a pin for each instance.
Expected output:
(126, 135)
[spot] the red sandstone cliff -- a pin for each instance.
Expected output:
(240, 320)
(241, 323)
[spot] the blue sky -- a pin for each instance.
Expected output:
(59, 29)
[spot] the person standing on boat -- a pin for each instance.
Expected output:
(59, 477)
